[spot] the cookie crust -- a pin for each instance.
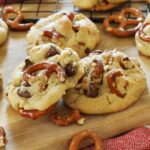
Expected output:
(65, 30)
(107, 101)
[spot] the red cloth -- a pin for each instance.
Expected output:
(137, 139)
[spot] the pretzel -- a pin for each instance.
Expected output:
(35, 114)
(121, 31)
(73, 117)
(49, 67)
(70, 15)
(99, 69)
(112, 83)
(52, 33)
(16, 23)
(3, 140)
(142, 34)
(77, 138)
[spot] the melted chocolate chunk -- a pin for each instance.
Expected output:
(28, 63)
(91, 91)
(125, 58)
(25, 94)
(71, 69)
(81, 79)
(87, 51)
(53, 51)
(25, 84)
(75, 28)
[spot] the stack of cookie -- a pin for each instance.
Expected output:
(101, 82)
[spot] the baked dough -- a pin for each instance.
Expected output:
(3, 31)
(143, 46)
(40, 92)
(45, 51)
(1, 81)
(120, 83)
(65, 30)
(97, 4)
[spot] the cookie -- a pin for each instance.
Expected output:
(3, 31)
(97, 5)
(112, 82)
(1, 82)
(142, 37)
(36, 86)
(65, 30)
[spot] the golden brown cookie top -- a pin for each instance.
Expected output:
(66, 30)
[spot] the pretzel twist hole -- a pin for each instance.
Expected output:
(77, 138)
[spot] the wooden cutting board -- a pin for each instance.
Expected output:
(26, 134)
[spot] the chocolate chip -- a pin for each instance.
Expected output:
(81, 79)
(25, 93)
(24, 83)
(28, 63)
(125, 58)
(71, 69)
(87, 51)
(75, 28)
(91, 91)
(81, 43)
(53, 51)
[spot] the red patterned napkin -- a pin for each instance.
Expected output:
(137, 139)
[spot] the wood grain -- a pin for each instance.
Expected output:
(42, 134)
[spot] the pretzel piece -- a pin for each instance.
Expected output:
(112, 83)
(77, 138)
(142, 34)
(16, 23)
(121, 30)
(3, 140)
(35, 114)
(49, 67)
(73, 117)
(99, 68)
